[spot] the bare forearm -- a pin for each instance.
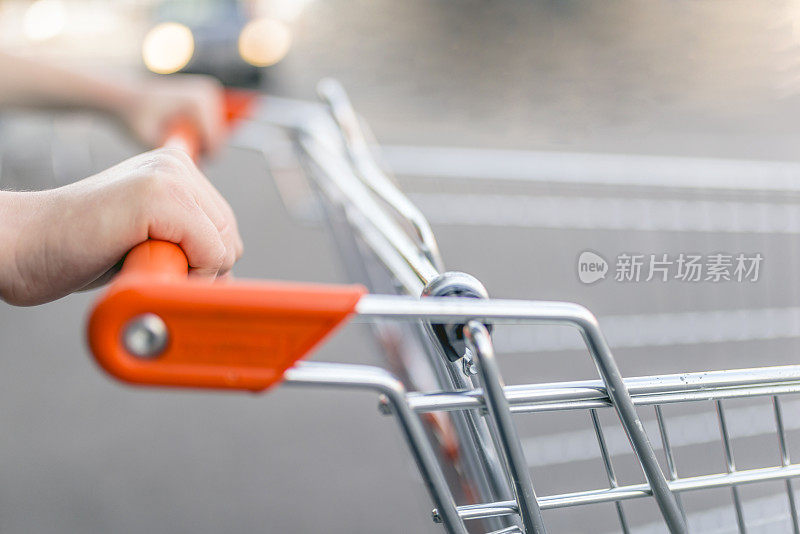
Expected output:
(16, 212)
(143, 104)
(33, 83)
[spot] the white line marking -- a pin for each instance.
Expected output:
(601, 169)
(765, 515)
(647, 214)
(683, 430)
(626, 331)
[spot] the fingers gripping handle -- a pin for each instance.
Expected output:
(156, 326)
(183, 133)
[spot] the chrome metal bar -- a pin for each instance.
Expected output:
(319, 140)
(356, 196)
(665, 443)
(350, 249)
(612, 476)
(479, 454)
(443, 309)
(662, 429)
(785, 460)
(507, 530)
(412, 267)
(428, 371)
(479, 451)
(383, 382)
(483, 511)
(721, 480)
(480, 344)
(394, 262)
(730, 464)
(370, 172)
(651, 390)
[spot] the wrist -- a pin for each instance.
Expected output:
(12, 213)
(30, 222)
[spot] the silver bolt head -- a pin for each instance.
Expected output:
(468, 364)
(146, 336)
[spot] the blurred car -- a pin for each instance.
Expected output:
(226, 38)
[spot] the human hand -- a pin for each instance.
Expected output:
(153, 103)
(59, 241)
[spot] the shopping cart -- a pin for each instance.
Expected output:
(443, 386)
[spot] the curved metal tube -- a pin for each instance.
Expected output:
(382, 381)
(479, 342)
(371, 174)
(443, 309)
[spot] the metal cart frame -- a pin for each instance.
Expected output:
(446, 390)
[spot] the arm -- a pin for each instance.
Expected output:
(145, 105)
(59, 241)
(31, 83)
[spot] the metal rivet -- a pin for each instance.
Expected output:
(145, 336)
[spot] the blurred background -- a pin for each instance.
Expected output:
(528, 132)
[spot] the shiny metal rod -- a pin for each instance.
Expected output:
(383, 382)
(480, 344)
(609, 466)
(785, 460)
(445, 309)
(370, 172)
(352, 194)
(635, 491)
(587, 394)
(730, 464)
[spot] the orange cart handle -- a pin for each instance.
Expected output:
(155, 326)
(182, 132)
(156, 259)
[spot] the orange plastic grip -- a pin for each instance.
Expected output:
(235, 335)
(156, 258)
(156, 326)
(182, 132)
